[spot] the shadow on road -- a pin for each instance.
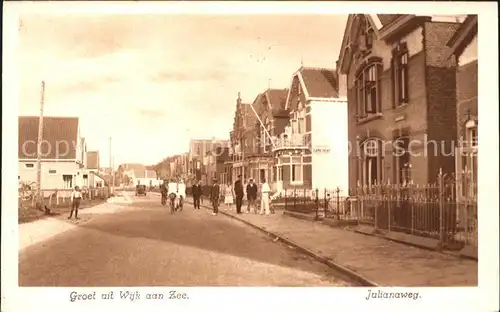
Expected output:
(201, 230)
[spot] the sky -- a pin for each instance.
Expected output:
(153, 82)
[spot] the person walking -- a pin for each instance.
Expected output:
(264, 204)
(196, 194)
(228, 195)
(238, 190)
(181, 192)
(251, 196)
(215, 197)
(76, 197)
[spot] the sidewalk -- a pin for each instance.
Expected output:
(38, 231)
(375, 260)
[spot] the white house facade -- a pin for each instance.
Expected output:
(63, 153)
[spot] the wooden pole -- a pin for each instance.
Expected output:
(39, 147)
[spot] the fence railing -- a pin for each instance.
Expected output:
(28, 197)
(433, 210)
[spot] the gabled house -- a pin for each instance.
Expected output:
(270, 108)
(241, 139)
(312, 151)
(463, 47)
(401, 89)
(62, 152)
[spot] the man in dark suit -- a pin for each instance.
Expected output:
(251, 195)
(215, 197)
(196, 194)
(238, 191)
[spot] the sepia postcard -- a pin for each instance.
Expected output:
(250, 155)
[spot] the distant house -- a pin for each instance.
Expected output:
(92, 161)
(143, 177)
(62, 152)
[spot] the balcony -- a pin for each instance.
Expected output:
(294, 142)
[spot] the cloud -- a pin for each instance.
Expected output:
(91, 85)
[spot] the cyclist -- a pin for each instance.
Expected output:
(172, 193)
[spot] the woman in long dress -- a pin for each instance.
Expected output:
(228, 195)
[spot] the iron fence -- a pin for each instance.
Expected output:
(440, 210)
(432, 210)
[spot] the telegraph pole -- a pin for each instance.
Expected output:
(111, 167)
(39, 146)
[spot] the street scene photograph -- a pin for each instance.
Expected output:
(248, 150)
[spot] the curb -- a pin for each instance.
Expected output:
(465, 253)
(459, 255)
(351, 274)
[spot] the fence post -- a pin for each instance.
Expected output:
(294, 197)
(286, 198)
(441, 209)
(390, 205)
(376, 207)
(412, 203)
(337, 191)
(316, 200)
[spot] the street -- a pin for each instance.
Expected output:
(146, 246)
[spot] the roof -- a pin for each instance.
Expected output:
(464, 35)
(60, 133)
(151, 174)
(386, 19)
(133, 166)
(320, 82)
(93, 160)
(277, 98)
(139, 174)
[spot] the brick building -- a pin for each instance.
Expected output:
(401, 97)
(242, 139)
(463, 48)
(270, 107)
(198, 149)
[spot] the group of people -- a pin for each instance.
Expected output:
(235, 195)
(176, 190)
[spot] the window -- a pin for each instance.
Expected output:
(299, 88)
(400, 77)
(366, 38)
(471, 136)
(368, 91)
(403, 160)
(52, 171)
(262, 175)
(29, 166)
(369, 38)
(296, 169)
(370, 163)
(297, 173)
(67, 181)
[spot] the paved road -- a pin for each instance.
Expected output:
(146, 246)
